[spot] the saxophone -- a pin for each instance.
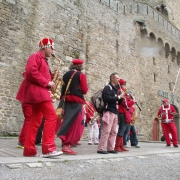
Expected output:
(134, 118)
(55, 94)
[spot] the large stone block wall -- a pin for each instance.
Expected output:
(105, 37)
(174, 11)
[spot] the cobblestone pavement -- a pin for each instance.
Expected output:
(150, 161)
(140, 167)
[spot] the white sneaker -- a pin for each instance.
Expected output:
(137, 146)
(126, 146)
(52, 154)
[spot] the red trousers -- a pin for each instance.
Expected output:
(39, 110)
(27, 111)
(170, 128)
(75, 131)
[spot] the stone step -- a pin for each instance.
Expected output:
(85, 134)
(140, 137)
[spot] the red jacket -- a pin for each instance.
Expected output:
(166, 109)
(34, 89)
(132, 110)
(122, 106)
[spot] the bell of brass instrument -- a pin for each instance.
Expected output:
(55, 94)
(134, 118)
(95, 116)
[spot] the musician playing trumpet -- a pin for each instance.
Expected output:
(93, 121)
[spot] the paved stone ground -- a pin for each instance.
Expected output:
(152, 161)
(10, 154)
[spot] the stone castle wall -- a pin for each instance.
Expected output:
(107, 38)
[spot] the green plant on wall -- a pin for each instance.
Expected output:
(77, 2)
(76, 54)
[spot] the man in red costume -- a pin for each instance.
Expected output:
(34, 90)
(166, 113)
(72, 127)
(123, 108)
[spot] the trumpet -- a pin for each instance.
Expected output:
(55, 94)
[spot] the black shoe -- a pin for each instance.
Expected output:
(176, 146)
(19, 145)
(113, 152)
(102, 152)
(168, 145)
(96, 143)
(72, 146)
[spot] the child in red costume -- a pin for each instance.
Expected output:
(167, 113)
(34, 90)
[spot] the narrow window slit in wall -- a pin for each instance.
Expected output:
(155, 77)
(170, 86)
(168, 69)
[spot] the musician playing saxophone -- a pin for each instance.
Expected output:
(93, 121)
(35, 90)
(124, 115)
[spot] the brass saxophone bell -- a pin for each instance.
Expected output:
(57, 80)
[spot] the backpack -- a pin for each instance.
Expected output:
(97, 100)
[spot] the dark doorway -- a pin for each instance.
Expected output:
(156, 130)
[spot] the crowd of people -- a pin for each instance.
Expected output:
(110, 131)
